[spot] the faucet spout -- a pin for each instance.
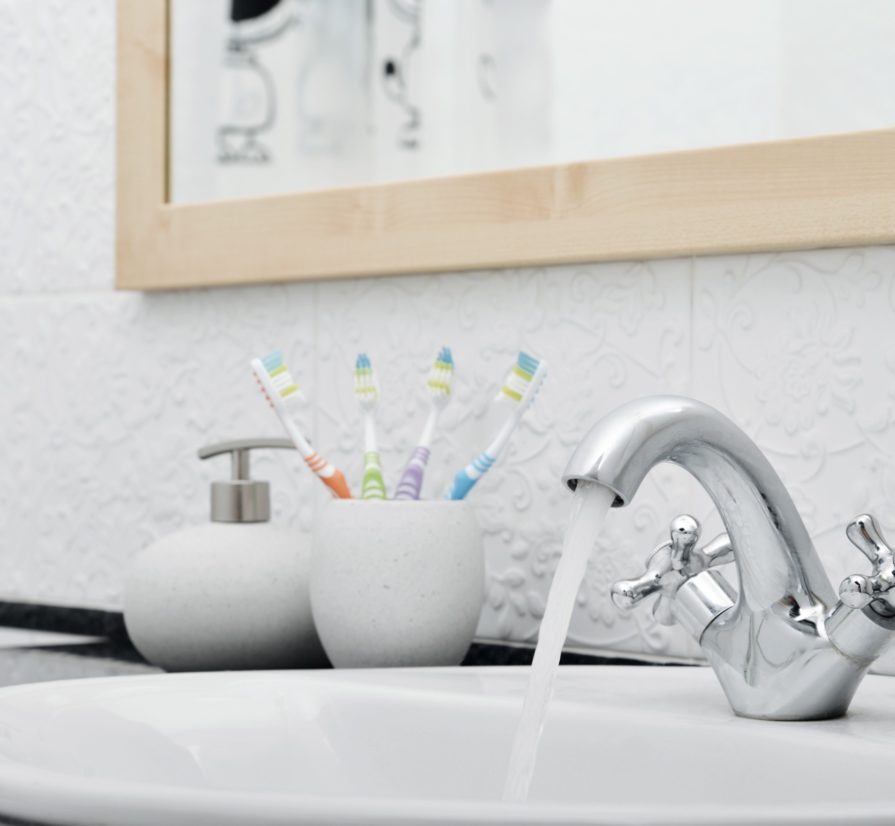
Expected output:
(785, 649)
(776, 561)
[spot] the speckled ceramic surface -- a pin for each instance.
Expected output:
(397, 583)
(224, 597)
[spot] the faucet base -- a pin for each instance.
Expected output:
(828, 703)
(775, 667)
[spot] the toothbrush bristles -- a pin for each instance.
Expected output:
(518, 382)
(441, 374)
(365, 388)
(280, 377)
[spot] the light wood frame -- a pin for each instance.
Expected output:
(831, 191)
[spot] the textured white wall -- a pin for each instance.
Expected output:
(106, 395)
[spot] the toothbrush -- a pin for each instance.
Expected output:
(283, 393)
(367, 393)
(521, 386)
(439, 387)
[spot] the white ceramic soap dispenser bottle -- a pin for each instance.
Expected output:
(232, 594)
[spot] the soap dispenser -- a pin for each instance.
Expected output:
(232, 594)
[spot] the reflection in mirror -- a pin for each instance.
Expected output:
(276, 96)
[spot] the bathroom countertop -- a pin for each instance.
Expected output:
(47, 642)
(39, 643)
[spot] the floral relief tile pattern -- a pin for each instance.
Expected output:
(609, 332)
(113, 393)
(108, 398)
(798, 349)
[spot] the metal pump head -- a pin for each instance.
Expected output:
(241, 499)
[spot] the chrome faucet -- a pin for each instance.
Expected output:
(783, 647)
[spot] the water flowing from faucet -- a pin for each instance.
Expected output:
(589, 509)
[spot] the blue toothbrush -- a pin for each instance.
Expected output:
(520, 388)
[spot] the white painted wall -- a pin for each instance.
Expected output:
(105, 396)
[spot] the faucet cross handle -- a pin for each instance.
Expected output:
(670, 565)
(684, 533)
(858, 591)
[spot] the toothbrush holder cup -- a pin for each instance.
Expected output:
(397, 583)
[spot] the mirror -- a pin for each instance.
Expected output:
(280, 140)
(278, 96)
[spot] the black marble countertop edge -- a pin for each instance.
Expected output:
(63, 619)
(116, 645)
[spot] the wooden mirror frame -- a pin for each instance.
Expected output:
(831, 191)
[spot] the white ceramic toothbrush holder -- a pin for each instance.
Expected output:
(397, 583)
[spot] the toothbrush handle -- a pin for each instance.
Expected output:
(466, 478)
(373, 485)
(411, 481)
(333, 478)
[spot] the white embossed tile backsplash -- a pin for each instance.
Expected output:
(106, 396)
(112, 393)
(799, 349)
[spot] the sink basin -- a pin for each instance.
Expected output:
(621, 745)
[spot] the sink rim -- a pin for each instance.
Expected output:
(43, 795)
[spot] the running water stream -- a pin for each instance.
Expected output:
(590, 506)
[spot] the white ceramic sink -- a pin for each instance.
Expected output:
(621, 745)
